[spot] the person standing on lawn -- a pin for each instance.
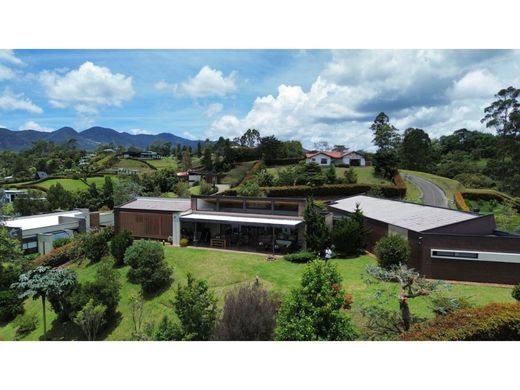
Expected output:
(328, 254)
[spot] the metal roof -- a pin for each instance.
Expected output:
(42, 220)
(242, 218)
(158, 204)
(410, 216)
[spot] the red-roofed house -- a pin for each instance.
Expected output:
(327, 158)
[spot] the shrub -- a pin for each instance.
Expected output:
(107, 233)
(25, 324)
(351, 176)
(313, 311)
(72, 251)
(105, 289)
(317, 233)
(460, 202)
(184, 242)
(119, 245)
(347, 237)
(249, 314)
(443, 305)
(10, 305)
(300, 257)
(61, 242)
(392, 250)
(494, 322)
(516, 292)
(250, 189)
(148, 267)
(96, 247)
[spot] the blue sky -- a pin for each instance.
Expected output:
(309, 95)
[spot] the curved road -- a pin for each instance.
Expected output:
(432, 194)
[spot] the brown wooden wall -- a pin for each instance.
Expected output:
(143, 224)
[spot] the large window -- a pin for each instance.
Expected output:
(232, 205)
(323, 161)
(207, 204)
(258, 206)
(454, 254)
(286, 208)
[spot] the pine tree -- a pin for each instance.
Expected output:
(317, 233)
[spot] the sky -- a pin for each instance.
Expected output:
(308, 95)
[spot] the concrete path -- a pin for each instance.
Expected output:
(432, 194)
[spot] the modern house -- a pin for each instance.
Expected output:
(445, 243)
(40, 175)
(148, 155)
(264, 224)
(337, 158)
(10, 195)
(37, 232)
(192, 177)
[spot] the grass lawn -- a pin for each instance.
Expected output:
(132, 164)
(236, 174)
(507, 220)
(449, 186)
(413, 193)
(75, 184)
(364, 174)
(224, 271)
(195, 190)
(164, 162)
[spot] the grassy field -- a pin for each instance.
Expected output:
(449, 186)
(413, 193)
(506, 219)
(365, 174)
(132, 164)
(225, 271)
(236, 174)
(164, 162)
(76, 184)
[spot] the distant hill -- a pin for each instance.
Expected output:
(87, 139)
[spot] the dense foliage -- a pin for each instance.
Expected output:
(392, 250)
(119, 244)
(516, 292)
(300, 257)
(95, 246)
(314, 310)
(317, 233)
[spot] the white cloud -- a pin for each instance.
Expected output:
(213, 108)
(87, 88)
(32, 125)
(10, 101)
(189, 135)
(208, 82)
(475, 84)
(6, 73)
(8, 56)
(140, 131)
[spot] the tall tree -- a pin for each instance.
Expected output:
(43, 281)
(416, 150)
(317, 233)
(206, 160)
(250, 138)
(108, 192)
(386, 138)
(59, 198)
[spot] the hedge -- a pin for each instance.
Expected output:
(62, 255)
(460, 202)
(282, 161)
(300, 257)
(472, 194)
(254, 168)
(494, 322)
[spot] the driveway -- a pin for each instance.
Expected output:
(432, 194)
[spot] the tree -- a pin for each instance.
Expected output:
(11, 304)
(392, 250)
(347, 237)
(330, 174)
(119, 244)
(196, 308)
(199, 150)
(182, 189)
(412, 285)
(250, 138)
(317, 233)
(270, 147)
(42, 281)
(90, 319)
(148, 267)
(186, 160)
(386, 138)
(322, 146)
(108, 192)
(125, 190)
(313, 311)
(30, 203)
(250, 189)
(206, 188)
(206, 159)
(416, 150)
(249, 314)
(105, 289)
(351, 176)
(95, 246)
(59, 198)
(137, 306)
(10, 248)
(339, 148)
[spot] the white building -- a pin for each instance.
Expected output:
(327, 158)
(10, 195)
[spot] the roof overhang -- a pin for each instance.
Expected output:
(241, 220)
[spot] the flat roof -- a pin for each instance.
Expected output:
(41, 221)
(242, 218)
(410, 216)
(157, 204)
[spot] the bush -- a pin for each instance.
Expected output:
(10, 305)
(61, 242)
(300, 257)
(443, 305)
(460, 202)
(148, 267)
(347, 237)
(282, 161)
(119, 245)
(107, 233)
(392, 250)
(491, 195)
(516, 292)
(495, 322)
(25, 324)
(72, 251)
(96, 247)
(184, 242)
(105, 289)
(249, 314)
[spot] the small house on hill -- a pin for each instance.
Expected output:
(337, 158)
(40, 175)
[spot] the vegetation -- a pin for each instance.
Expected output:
(148, 268)
(300, 257)
(348, 234)
(90, 319)
(95, 246)
(314, 311)
(119, 244)
(317, 233)
(516, 292)
(249, 314)
(392, 250)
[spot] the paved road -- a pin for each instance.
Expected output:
(432, 194)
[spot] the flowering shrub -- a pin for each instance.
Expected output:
(183, 242)
(347, 301)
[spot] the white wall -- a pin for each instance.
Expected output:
(317, 159)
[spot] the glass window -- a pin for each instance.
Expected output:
(286, 208)
(258, 206)
(207, 204)
(324, 161)
(231, 205)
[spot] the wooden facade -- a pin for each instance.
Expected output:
(145, 224)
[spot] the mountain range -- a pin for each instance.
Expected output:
(88, 139)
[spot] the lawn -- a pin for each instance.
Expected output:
(164, 162)
(75, 184)
(132, 164)
(364, 174)
(449, 186)
(506, 219)
(225, 271)
(413, 193)
(235, 175)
